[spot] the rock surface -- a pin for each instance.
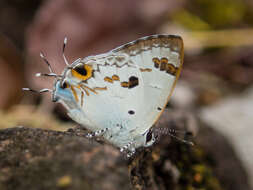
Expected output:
(42, 159)
(45, 159)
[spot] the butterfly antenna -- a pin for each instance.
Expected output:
(172, 132)
(63, 49)
(47, 75)
(40, 91)
(51, 74)
(46, 61)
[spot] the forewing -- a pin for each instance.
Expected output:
(131, 85)
(112, 95)
(159, 59)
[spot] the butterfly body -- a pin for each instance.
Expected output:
(122, 92)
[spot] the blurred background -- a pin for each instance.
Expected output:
(216, 81)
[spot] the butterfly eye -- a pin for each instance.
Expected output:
(82, 72)
(64, 85)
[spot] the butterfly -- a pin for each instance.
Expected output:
(119, 95)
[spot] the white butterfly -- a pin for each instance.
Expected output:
(120, 95)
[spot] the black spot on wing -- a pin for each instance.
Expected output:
(131, 112)
(133, 82)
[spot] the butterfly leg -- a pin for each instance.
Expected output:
(128, 149)
(96, 133)
(131, 153)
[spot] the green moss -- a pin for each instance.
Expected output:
(195, 169)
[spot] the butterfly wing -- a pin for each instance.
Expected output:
(159, 59)
(118, 91)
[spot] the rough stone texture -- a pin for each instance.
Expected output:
(43, 159)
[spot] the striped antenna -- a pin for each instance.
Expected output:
(46, 61)
(63, 50)
(35, 91)
(47, 75)
(51, 74)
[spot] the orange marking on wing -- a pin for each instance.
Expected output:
(108, 79)
(82, 94)
(164, 65)
(171, 69)
(164, 60)
(100, 88)
(84, 86)
(145, 70)
(156, 61)
(74, 93)
(124, 84)
(115, 77)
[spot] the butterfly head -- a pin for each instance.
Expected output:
(67, 87)
(62, 92)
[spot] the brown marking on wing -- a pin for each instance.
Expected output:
(164, 60)
(156, 61)
(164, 65)
(145, 70)
(82, 94)
(132, 82)
(108, 79)
(124, 84)
(171, 69)
(84, 86)
(115, 77)
(100, 88)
